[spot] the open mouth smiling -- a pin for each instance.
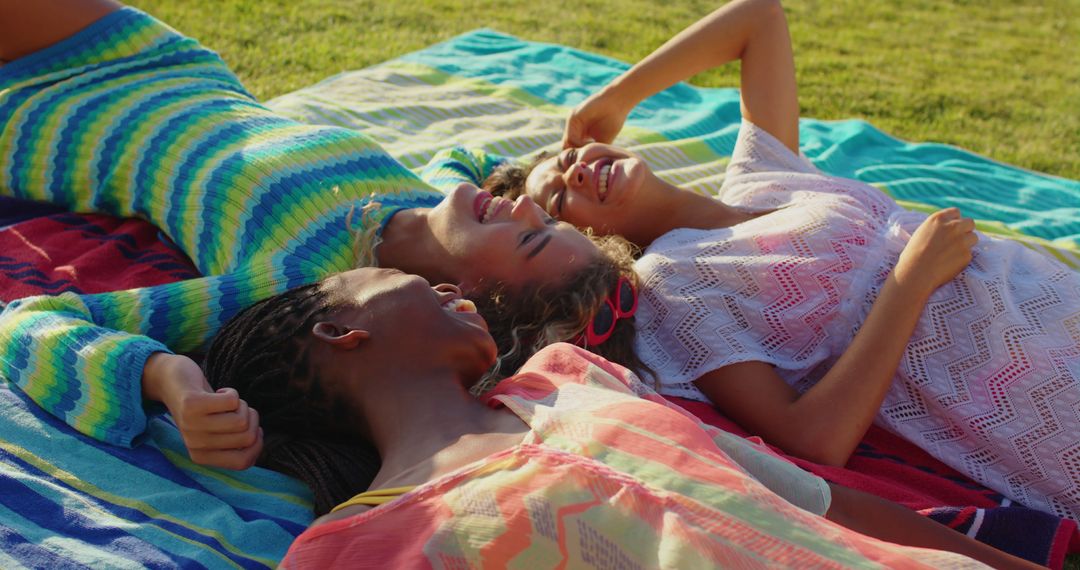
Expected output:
(459, 305)
(602, 175)
(486, 206)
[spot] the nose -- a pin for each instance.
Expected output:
(525, 210)
(575, 176)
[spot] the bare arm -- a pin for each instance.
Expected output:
(825, 423)
(27, 26)
(753, 31)
(886, 520)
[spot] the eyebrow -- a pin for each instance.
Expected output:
(543, 243)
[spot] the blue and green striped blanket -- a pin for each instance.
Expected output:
(69, 501)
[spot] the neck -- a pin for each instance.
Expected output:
(408, 244)
(673, 207)
(411, 423)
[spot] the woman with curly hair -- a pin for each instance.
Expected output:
(806, 306)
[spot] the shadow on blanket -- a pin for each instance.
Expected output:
(42, 251)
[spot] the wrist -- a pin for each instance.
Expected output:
(159, 383)
(910, 285)
(621, 93)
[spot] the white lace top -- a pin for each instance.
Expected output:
(990, 380)
(789, 287)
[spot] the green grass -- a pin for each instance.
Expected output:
(999, 77)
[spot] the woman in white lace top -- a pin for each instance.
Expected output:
(806, 306)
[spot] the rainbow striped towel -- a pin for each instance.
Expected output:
(66, 500)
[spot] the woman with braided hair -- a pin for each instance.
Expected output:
(806, 306)
(106, 109)
(571, 459)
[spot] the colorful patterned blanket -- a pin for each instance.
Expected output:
(67, 500)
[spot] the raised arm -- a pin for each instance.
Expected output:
(752, 31)
(825, 423)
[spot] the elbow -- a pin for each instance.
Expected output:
(769, 8)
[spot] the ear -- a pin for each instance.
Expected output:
(338, 336)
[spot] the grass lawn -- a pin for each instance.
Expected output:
(999, 77)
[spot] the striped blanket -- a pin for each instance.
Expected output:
(67, 500)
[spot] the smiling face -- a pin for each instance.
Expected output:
(407, 318)
(595, 186)
(493, 240)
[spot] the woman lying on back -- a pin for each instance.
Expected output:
(806, 306)
(569, 462)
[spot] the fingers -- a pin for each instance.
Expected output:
(947, 214)
(227, 422)
(224, 400)
(235, 459)
(568, 137)
(234, 450)
(209, 431)
(229, 440)
(970, 240)
(951, 217)
(965, 224)
(574, 135)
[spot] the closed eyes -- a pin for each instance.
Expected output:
(567, 158)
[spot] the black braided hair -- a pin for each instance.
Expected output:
(262, 352)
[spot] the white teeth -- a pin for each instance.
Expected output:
(604, 172)
(460, 306)
(488, 211)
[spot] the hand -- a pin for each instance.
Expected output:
(938, 250)
(219, 429)
(598, 118)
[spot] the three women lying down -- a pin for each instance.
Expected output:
(569, 462)
(106, 109)
(806, 306)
